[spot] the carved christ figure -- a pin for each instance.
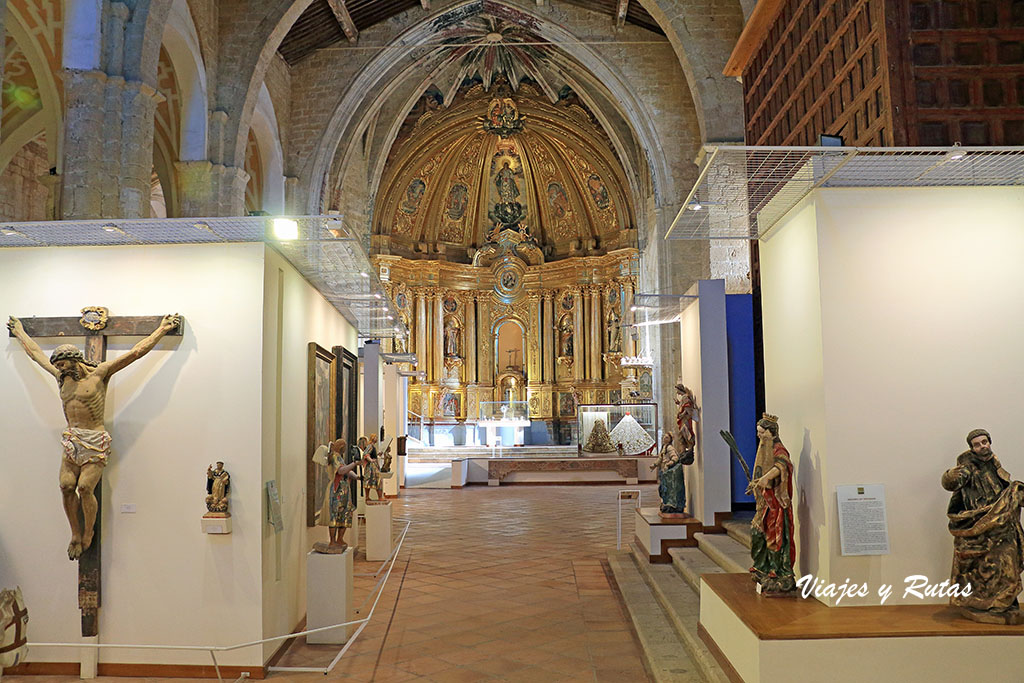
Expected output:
(83, 391)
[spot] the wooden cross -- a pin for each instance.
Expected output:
(96, 327)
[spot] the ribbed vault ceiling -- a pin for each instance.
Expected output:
(320, 25)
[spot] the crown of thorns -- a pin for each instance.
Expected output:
(68, 352)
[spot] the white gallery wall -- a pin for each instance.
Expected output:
(233, 388)
(892, 327)
(294, 314)
(705, 370)
(192, 401)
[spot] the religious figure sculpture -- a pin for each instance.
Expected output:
(686, 415)
(86, 442)
(218, 482)
(772, 544)
(13, 626)
(614, 332)
(599, 441)
(671, 484)
(372, 478)
(338, 506)
(451, 339)
(565, 341)
(988, 543)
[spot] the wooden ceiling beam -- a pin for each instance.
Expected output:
(344, 19)
(620, 13)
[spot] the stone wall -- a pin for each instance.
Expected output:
(22, 196)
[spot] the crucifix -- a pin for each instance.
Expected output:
(82, 380)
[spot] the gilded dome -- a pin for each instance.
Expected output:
(497, 160)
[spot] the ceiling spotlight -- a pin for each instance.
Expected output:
(110, 227)
(365, 274)
(695, 206)
(376, 296)
(10, 232)
(391, 317)
(956, 155)
(634, 308)
(201, 226)
(286, 229)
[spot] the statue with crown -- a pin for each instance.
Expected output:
(772, 541)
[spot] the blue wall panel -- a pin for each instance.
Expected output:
(742, 393)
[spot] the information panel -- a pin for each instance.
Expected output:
(863, 529)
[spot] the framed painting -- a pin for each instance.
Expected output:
(346, 395)
(320, 423)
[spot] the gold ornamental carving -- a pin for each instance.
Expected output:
(94, 318)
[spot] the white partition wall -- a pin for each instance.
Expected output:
(892, 326)
(705, 370)
(232, 388)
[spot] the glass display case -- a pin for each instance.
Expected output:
(607, 429)
(505, 411)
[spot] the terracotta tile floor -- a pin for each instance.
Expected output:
(502, 583)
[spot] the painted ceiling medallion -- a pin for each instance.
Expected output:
(503, 117)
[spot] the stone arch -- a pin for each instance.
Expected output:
(260, 27)
(268, 140)
(703, 36)
(344, 123)
(181, 42)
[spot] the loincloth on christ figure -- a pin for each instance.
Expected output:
(84, 446)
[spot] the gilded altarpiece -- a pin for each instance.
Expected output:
(457, 333)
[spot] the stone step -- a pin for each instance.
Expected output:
(681, 604)
(664, 651)
(690, 563)
(739, 529)
(727, 553)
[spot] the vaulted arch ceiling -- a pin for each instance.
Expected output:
(365, 121)
(449, 168)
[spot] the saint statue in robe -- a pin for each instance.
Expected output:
(772, 544)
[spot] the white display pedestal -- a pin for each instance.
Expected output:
(400, 470)
(460, 471)
(329, 595)
(390, 482)
(656, 535)
(378, 532)
(763, 639)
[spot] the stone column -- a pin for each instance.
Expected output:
(421, 331)
(579, 334)
(533, 372)
(548, 346)
(470, 341)
(438, 341)
(596, 334)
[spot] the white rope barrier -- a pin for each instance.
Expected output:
(213, 649)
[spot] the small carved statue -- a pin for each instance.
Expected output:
(338, 506)
(614, 332)
(566, 341)
(218, 483)
(451, 339)
(685, 417)
(372, 480)
(671, 483)
(988, 543)
(772, 545)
